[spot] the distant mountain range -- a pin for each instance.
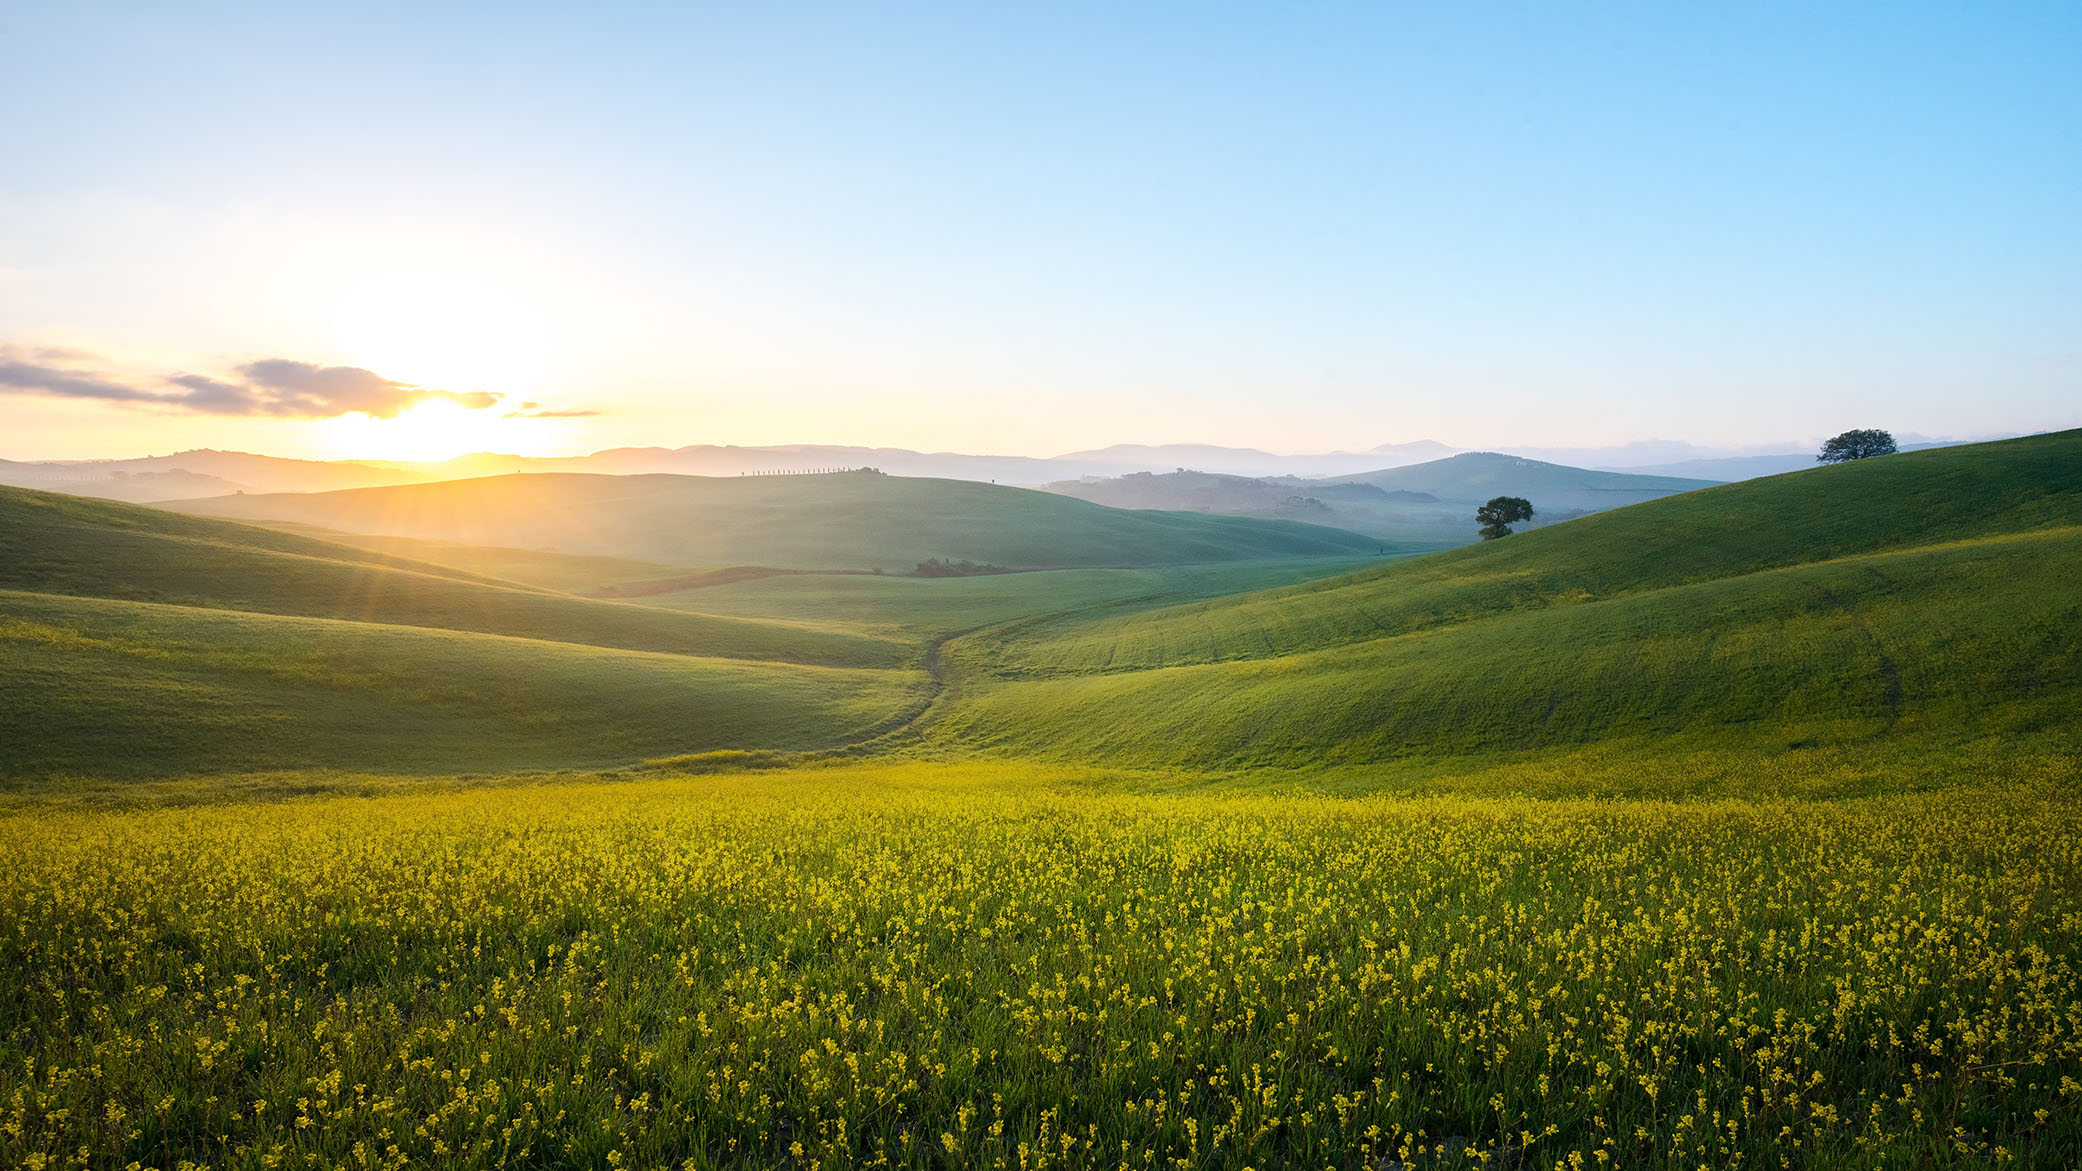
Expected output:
(1431, 502)
(1244, 461)
(190, 475)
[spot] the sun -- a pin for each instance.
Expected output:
(430, 432)
(439, 331)
(443, 332)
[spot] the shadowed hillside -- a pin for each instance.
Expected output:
(854, 520)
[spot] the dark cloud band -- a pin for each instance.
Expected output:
(281, 387)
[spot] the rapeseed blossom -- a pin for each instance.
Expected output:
(928, 966)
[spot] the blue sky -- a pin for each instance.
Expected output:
(1028, 229)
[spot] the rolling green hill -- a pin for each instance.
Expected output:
(853, 520)
(99, 688)
(1922, 594)
(1921, 498)
(69, 545)
(141, 643)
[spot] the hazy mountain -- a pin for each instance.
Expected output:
(1123, 458)
(1432, 502)
(706, 459)
(189, 474)
(1477, 476)
(196, 474)
(1361, 508)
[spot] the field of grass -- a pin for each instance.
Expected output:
(840, 521)
(925, 966)
(565, 572)
(1839, 650)
(924, 608)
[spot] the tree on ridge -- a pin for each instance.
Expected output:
(1497, 516)
(1856, 444)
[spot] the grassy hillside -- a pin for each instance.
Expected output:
(1903, 501)
(128, 689)
(563, 572)
(842, 521)
(1844, 649)
(1925, 595)
(66, 545)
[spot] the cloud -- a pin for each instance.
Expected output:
(17, 375)
(538, 411)
(215, 397)
(281, 387)
(302, 388)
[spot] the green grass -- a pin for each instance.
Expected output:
(1841, 650)
(923, 608)
(126, 689)
(563, 572)
(66, 545)
(841, 521)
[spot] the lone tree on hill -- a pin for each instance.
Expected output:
(1498, 515)
(1856, 445)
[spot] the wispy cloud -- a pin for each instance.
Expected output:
(281, 387)
(530, 410)
(19, 376)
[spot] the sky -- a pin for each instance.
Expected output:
(406, 231)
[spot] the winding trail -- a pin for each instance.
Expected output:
(944, 685)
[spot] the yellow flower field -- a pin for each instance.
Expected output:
(941, 966)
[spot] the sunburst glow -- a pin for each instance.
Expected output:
(435, 430)
(444, 332)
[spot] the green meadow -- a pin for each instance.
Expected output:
(1733, 828)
